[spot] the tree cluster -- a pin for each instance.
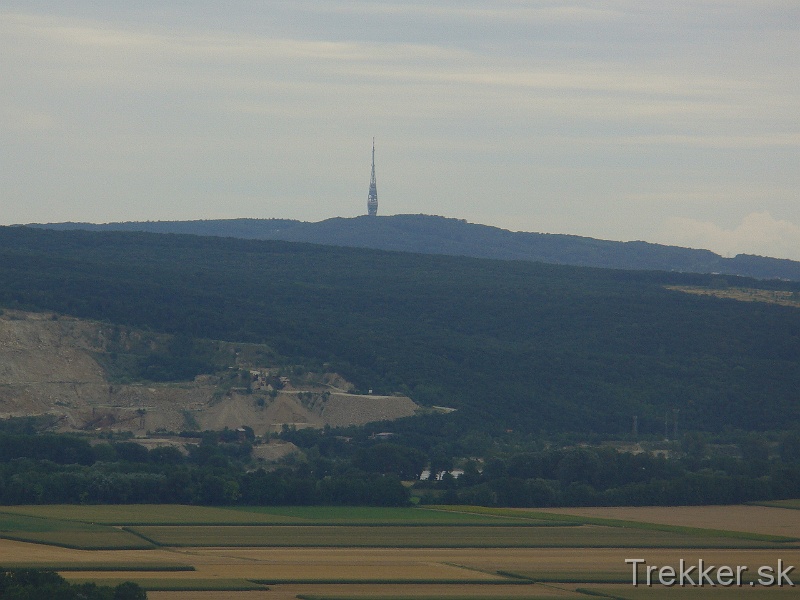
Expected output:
(53, 469)
(602, 476)
(34, 584)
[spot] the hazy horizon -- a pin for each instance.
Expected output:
(673, 124)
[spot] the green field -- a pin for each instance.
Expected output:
(625, 524)
(454, 552)
(434, 536)
(170, 514)
(69, 534)
(142, 526)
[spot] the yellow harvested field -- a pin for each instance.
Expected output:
(20, 553)
(422, 564)
(750, 519)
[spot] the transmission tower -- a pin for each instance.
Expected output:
(372, 201)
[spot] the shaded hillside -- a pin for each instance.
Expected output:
(437, 235)
(511, 344)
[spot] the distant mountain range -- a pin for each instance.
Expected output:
(428, 234)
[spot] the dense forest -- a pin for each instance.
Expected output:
(511, 345)
(438, 235)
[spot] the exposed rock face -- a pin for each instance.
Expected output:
(48, 366)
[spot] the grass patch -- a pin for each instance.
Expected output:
(68, 534)
(709, 534)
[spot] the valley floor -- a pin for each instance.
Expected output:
(178, 553)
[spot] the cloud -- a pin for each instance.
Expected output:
(24, 119)
(758, 233)
(561, 107)
(501, 12)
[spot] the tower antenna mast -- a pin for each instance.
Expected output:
(372, 201)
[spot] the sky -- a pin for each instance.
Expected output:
(671, 121)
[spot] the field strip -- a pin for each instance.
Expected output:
(69, 534)
(382, 592)
(180, 584)
(657, 592)
(170, 514)
(760, 520)
(102, 567)
(290, 563)
(585, 517)
(149, 514)
(588, 536)
(789, 504)
(27, 553)
(360, 573)
(370, 515)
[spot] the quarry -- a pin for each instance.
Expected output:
(55, 366)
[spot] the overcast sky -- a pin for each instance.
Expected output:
(670, 121)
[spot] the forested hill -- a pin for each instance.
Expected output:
(511, 344)
(438, 235)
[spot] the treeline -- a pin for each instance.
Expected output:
(361, 470)
(514, 470)
(53, 469)
(439, 235)
(583, 476)
(518, 345)
(35, 584)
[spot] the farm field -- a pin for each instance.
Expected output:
(792, 504)
(171, 514)
(70, 534)
(467, 555)
(774, 520)
(395, 536)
